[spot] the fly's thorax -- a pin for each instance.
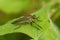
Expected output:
(30, 18)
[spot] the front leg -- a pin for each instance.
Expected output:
(34, 26)
(37, 19)
(38, 26)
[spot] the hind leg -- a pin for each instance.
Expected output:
(38, 27)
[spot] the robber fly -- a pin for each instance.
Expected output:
(27, 19)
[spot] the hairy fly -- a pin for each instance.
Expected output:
(28, 19)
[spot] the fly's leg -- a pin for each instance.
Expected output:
(37, 19)
(31, 23)
(34, 26)
(38, 26)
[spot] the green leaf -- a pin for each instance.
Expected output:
(15, 36)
